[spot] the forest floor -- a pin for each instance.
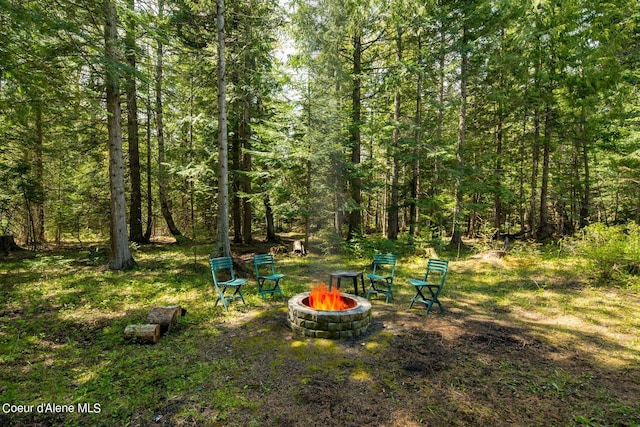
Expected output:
(526, 340)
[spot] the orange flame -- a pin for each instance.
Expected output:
(323, 299)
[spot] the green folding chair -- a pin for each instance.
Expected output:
(218, 266)
(433, 281)
(381, 278)
(265, 268)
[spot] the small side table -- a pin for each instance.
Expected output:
(339, 275)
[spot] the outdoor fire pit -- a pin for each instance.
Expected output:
(349, 321)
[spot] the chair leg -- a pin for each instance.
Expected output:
(389, 292)
(278, 289)
(265, 291)
(222, 298)
(239, 292)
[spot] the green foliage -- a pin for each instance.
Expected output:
(330, 242)
(612, 252)
(366, 247)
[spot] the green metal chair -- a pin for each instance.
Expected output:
(433, 281)
(218, 266)
(381, 278)
(265, 268)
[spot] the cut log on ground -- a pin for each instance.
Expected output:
(166, 317)
(143, 333)
(298, 248)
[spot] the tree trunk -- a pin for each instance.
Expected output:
(435, 181)
(147, 233)
(247, 207)
(268, 212)
(395, 177)
(245, 137)
(307, 219)
(163, 192)
(223, 247)
(456, 235)
(121, 258)
(39, 172)
(414, 217)
(546, 152)
(236, 202)
(355, 214)
(498, 170)
(535, 164)
(586, 195)
(535, 157)
(135, 207)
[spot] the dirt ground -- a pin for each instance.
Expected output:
(443, 369)
(457, 368)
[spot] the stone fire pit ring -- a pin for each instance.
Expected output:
(309, 322)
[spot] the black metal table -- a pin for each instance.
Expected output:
(339, 275)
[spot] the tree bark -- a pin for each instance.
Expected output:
(148, 231)
(535, 157)
(585, 205)
(163, 187)
(236, 202)
(498, 169)
(268, 212)
(535, 164)
(394, 209)
(456, 235)
(39, 171)
(223, 247)
(120, 257)
(135, 207)
(245, 137)
(546, 152)
(415, 178)
(308, 188)
(355, 214)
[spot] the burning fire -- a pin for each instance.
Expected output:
(323, 299)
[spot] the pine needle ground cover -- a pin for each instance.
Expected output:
(529, 339)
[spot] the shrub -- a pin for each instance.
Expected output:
(330, 242)
(610, 251)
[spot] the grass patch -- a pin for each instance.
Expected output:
(528, 339)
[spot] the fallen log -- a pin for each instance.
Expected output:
(143, 333)
(166, 317)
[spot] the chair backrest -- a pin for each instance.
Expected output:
(439, 266)
(219, 264)
(384, 259)
(260, 260)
